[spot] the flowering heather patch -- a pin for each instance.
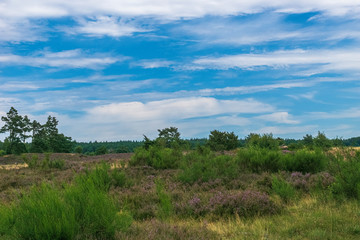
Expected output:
(246, 203)
(299, 180)
(308, 181)
(326, 179)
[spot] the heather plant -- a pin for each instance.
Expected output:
(247, 203)
(282, 188)
(300, 180)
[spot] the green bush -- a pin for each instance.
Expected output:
(347, 177)
(82, 210)
(78, 149)
(165, 208)
(43, 214)
(282, 188)
(119, 178)
(220, 141)
(306, 161)
(260, 159)
(2, 153)
(205, 167)
(157, 157)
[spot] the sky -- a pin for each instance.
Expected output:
(115, 70)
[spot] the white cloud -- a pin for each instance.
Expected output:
(307, 95)
(153, 63)
(175, 109)
(285, 130)
(12, 30)
(322, 60)
(129, 120)
(18, 86)
(170, 9)
(18, 16)
(341, 114)
(104, 26)
(278, 117)
(65, 59)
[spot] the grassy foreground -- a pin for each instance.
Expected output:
(109, 197)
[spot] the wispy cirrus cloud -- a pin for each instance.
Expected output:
(65, 59)
(153, 63)
(171, 9)
(328, 60)
(104, 26)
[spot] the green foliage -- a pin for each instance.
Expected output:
(78, 149)
(321, 141)
(220, 141)
(262, 141)
(119, 178)
(259, 160)
(46, 163)
(6, 220)
(43, 214)
(82, 210)
(99, 177)
(206, 166)
(165, 208)
(157, 157)
(2, 153)
(101, 150)
(168, 137)
(18, 128)
(282, 188)
(347, 177)
(306, 161)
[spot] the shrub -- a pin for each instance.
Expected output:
(258, 159)
(78, 149)
(119, 178)
(43, 214)
(2, 153)
(157, 157)
(83, 210)
(205, 167)
(247, 203)
(165, 208)
(306, 161)
(347, 177)
(220, 141)
(283, 189)
(262, 141)
(101, 150)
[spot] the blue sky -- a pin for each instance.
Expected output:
(115, 70)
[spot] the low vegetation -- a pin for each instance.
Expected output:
(167, 190)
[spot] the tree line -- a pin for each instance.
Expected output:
(44, 137)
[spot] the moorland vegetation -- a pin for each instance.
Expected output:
(223, 188)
